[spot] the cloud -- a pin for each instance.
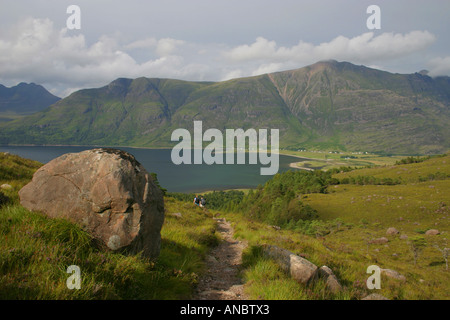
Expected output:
(34, 50)
(439, 66)
(365, 48)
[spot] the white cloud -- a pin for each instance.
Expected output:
(33, 50)
(167, 46)
(439, 66)
(365, 48)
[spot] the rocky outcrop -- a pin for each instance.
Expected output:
(105, 191)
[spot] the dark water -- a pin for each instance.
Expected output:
(181, 178)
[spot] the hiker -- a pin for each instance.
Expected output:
(202, 202)
(197, 201)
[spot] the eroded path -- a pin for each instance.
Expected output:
(221, 281)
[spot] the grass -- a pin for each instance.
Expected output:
(35, 252)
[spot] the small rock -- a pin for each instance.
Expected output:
(404, 237)
(432, 232)
(379, 240)
(332, 282)
(177, 215)
(5, 186)
(392, 231)
(393, 274)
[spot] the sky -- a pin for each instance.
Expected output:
(213, 40)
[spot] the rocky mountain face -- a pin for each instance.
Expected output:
(328, 105)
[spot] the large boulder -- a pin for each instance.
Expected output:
(105, 191)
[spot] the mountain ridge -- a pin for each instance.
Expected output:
(25, 98)
(327, 105)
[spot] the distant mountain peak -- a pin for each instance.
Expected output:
(25, 98)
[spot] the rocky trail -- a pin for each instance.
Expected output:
(221, 281)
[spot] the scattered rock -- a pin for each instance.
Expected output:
(5, 186)
(379, 240)
(177, 215)
(432, 232)
(375, 296)
(392, 231)
(299, 268)
(107, 192)
(403, 237)
(393, 274)
(332, 282)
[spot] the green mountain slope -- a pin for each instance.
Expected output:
(328, 105)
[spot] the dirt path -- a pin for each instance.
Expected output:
(221, 281)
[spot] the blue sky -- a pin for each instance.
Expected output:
(213, 40)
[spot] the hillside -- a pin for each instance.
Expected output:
(338, 229)
(329, 105)
(24, 99)
(345, 229)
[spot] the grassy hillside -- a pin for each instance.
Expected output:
(349, 217)
(36, 251)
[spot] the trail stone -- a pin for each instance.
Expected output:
(432, 232)
(107, 192)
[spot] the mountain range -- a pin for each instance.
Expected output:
(328, 105)
(25, 98)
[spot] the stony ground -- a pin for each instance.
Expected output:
(221, 281)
